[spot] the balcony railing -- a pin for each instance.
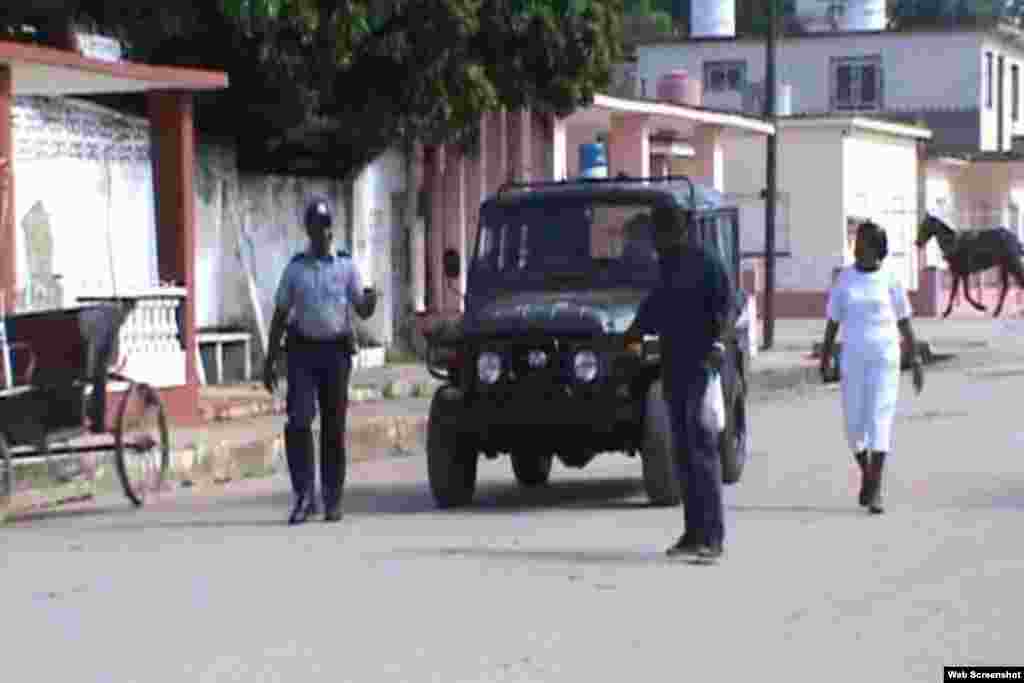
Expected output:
(150, 342)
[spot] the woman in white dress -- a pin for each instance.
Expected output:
(871, 306)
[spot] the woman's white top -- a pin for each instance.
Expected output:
(867, 306)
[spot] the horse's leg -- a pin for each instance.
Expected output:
(1005, 272)
(978, 306)
(1017, 271)
(952, 294)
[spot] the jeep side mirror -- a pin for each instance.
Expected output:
(452, 264)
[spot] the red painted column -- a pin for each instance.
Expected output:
(520, 142)
(436, 235)
(8, 258)
(173, 141)
(476, 189)
(629, 147)
(497, 150)
(455, 225)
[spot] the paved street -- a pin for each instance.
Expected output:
(563, 584)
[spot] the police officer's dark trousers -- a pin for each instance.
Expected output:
(697, 461)
(318, 372)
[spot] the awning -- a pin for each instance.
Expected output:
(679, 120)
(40, 70)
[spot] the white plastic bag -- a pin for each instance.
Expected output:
(712, 413)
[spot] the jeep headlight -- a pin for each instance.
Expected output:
(585, 366)
(488, 367)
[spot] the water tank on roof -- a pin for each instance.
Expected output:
(865, 15)
(712, 18)
(677, 86)
(842, 15)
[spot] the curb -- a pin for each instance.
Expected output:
(227, 409)
(206, 464)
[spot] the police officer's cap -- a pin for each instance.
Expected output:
(318, 213)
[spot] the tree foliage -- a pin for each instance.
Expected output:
(330, 84)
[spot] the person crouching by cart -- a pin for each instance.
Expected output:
(313, 299)
(872, 307)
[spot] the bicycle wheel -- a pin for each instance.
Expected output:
(141, 443)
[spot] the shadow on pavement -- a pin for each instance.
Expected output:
(574, 557)
(269, 505)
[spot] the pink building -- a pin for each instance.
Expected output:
(642, 137)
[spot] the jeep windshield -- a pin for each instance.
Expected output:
(566, 242)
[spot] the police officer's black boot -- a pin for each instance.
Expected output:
(332, 472)
(298, 444)
(864, 497)
(877, 466)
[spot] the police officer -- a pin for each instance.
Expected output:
(688, 311)
(313, 300)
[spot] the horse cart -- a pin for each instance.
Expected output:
(62, 363)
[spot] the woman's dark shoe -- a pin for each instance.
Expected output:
(333, 513)
(709, 554)
(864, 497)
(686, 545)
(877, 468)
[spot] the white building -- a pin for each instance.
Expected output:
(963, 84)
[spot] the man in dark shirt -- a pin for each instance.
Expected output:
(688, 311)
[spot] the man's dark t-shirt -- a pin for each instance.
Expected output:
(686, 311)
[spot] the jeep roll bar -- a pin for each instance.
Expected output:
(621, 178)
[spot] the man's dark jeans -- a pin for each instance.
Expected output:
(318, 372)
(698, 464)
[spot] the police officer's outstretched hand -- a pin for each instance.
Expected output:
(270, 375)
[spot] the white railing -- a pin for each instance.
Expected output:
(149, 343)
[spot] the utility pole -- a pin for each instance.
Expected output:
(771, 181)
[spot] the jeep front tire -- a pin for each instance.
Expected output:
(451, 461)
(656, 454)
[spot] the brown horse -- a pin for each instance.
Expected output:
(972, 251)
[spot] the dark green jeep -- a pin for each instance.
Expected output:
(538, 366)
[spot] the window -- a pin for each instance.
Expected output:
(988, 80)
(856, 83)
(1015, 92)
(596, 239)
(728, 76)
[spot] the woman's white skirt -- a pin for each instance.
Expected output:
(870, 392)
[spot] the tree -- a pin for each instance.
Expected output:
(659, 11)
(907, 14)
(324, 86)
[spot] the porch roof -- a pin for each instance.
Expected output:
(873, 124)
(37, 70)
(682, 120)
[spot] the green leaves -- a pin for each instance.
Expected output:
(340, 81)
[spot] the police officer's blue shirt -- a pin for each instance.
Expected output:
(316, 293)
(682, 311)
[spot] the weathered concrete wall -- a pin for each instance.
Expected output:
(256, 222)
(83, 202)
(85, 210)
